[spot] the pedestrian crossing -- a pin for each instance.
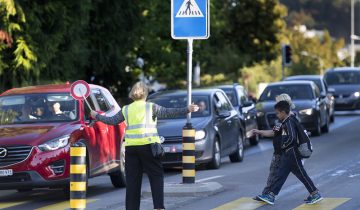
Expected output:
(243, 203)
(247, 203)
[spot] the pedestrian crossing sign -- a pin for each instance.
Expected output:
(190, 19)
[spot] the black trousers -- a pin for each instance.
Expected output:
(291, 162)
(139, 159)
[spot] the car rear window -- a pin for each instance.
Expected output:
(342, 77)
(296, 92)
(181, 101)
(37, 108)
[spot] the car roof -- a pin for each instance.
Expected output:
(52, 88)
(303, 77)
(227, 86)
(208, 91)
(344, 69)
(292, 82)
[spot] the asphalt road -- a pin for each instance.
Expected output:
(334, 168)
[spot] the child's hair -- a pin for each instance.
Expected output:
(283, 106)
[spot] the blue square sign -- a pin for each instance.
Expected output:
(190, 19)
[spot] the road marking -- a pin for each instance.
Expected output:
(326, 204)
(62, 205)
(10, 204)
(209, 178)
(241, 204)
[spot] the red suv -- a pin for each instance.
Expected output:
(37, 126)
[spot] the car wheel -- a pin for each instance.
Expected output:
(325, 128)
(317, 131)
(254, 140)
(238, 155)
(216, 156)
(332, 118)
(118, 178)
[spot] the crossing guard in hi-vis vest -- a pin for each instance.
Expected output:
(141, 133)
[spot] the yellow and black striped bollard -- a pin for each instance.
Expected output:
(78, 177)
(188, 154)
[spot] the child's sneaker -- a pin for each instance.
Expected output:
(312, 199)
(267, 198)
(256, 198)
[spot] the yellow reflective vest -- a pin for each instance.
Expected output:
(140, 126)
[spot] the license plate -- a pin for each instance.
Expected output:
(6, 172)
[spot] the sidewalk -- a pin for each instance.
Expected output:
(177, 193)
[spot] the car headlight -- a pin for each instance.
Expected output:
(55, 144)
(259, 114)
(356, 94)
(306, 111)
(200, 134)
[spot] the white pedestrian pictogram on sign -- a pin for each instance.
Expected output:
(189, 8)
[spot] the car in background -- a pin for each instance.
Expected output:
(245, 107)
(346, 84)
(35, 145)
(217, 125)
(310, 105)
(324, 89)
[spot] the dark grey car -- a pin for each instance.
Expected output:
(346, 84)
(218, 129)
(310, 105)
(245, 107)
(324, 90)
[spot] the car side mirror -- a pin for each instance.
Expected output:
(247, 103)
(322, 95)
(331, 90)
(224, 114)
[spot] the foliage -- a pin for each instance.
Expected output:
(323, 14)
(313, 55)
(100, 41)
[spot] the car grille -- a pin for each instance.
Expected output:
(15, 154)
(16, 177)
(173, 139)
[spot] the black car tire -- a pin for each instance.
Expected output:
(332, 118)
(238, 155)
(325, 128)
(216, 155)
(118, 178)
(254, 140)
(317, 131)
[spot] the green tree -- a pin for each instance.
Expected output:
(313, 55)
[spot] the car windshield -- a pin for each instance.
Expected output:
(296, 92)
(342, 78)
(316, 81)
(181, 101)
(37, 108)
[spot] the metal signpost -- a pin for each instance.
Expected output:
(189, 20)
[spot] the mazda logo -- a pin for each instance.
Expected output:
(3, 152)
